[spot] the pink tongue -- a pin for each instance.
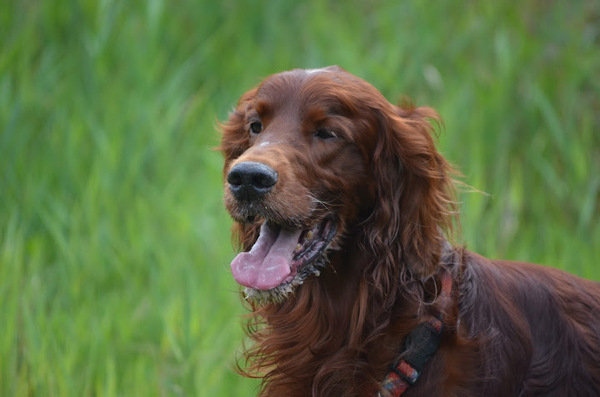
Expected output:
(269, 262)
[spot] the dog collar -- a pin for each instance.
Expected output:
(419, 346)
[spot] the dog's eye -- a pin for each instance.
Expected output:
(256, 127)
(324, 133)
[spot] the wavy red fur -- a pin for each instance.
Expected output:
(511, 328)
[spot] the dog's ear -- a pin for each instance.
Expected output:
(235, 140)
(415, 191)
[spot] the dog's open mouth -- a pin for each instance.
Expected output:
(281, 259)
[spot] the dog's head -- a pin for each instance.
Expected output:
(314, 159)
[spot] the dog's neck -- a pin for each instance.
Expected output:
(337, 308)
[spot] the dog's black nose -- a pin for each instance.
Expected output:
(251, 180)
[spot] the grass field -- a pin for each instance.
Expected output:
(114, 246)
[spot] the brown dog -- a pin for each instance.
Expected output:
(342, 206)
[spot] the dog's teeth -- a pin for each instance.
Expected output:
(309, 235)
(298, 246)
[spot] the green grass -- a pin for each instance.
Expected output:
(114, 246)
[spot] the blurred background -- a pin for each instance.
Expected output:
(114, 245)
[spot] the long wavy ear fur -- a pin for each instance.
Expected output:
(234, 141)
(415, 195)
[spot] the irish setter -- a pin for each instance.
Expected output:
(344, 210)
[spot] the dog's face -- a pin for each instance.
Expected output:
(314, 157)
(297, 166)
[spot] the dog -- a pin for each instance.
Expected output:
(344, 212)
